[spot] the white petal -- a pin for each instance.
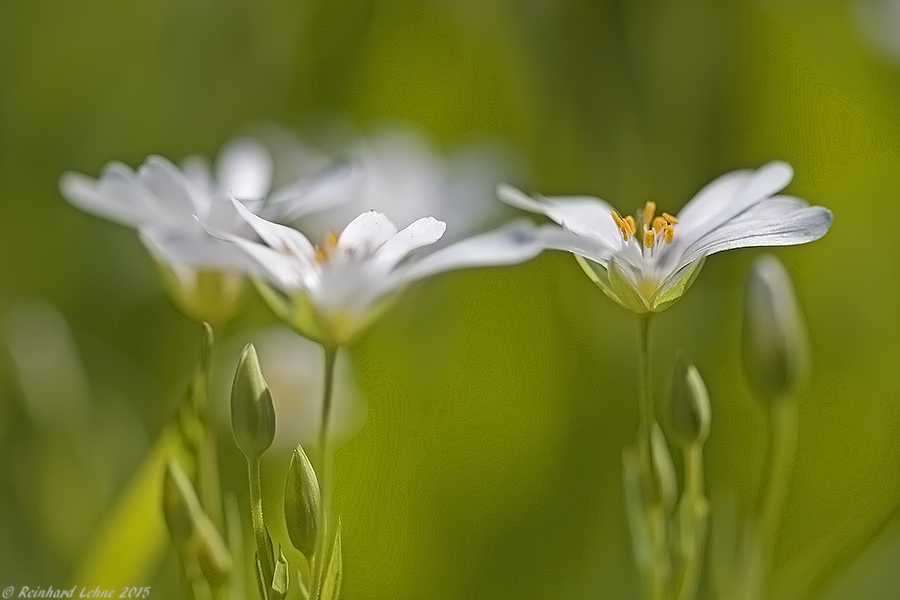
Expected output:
(283, 239)
(583, 215)
(511, 244)
(365, 233)
(244, 169)
(176, 249)
(326, 189)
(172, 190)
(778, 221)
(730, 195)
(93, 196)
(422, 232)
(557, 238)
(196, 168)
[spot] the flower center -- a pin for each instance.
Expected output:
(326, 249)
(654, 229)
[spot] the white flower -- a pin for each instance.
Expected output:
(169, 207)
(332, 291)
(648, 263)
(399, 171)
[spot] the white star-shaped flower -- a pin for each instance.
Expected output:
(332, 291)
(171, 207)
(648, 263)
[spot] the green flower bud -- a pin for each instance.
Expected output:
(302, 501)
(191, 529)
(665, 481)
(689, 410)
(180, 504)
(775, 344)
(252, 411)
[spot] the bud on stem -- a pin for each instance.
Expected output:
(252, 411)
(302, 504)
(689, 410)
(775, 345)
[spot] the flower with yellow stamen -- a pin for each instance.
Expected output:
(647, 274)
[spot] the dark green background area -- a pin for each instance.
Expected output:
(498, 400)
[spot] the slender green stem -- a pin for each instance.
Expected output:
(780, 450)
(330, 359)
(694, 502)
(207, 452)
(322, 466)
(263, 548)
(645, 394)
(782, 447)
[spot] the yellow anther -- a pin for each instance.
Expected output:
(323, 252)
(621, 225)
(629, 221)
(649, 238)
(658, 224)
(672, 220)
(669, 233)
(649, 212)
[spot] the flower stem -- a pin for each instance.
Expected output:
(693, 511)
(645, 396)
(781, 449)
(263, 548)
(322, 451)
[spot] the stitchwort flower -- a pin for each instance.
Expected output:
(170, 206)
(330, 292)
(646, 263)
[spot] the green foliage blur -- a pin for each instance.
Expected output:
(499, 400)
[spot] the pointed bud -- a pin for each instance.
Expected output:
(775, 345)
(689, 410)
(191, 529)
(211, 553)
(302, 501)
(252, 411)
(665, 481)
(180, 504)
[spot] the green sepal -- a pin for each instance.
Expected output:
(599, 275)
(330, 584)
(676, 286)
(281, 580)
(625, 291)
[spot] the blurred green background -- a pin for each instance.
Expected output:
(498, 400)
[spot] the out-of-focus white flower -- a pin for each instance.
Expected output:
(648, 263)
(171, 207)
(293, 369)
(332, 291)
(879, 21)
(399, 171)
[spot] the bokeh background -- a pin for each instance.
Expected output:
(498, 400)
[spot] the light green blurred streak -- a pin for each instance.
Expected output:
(128, 545)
